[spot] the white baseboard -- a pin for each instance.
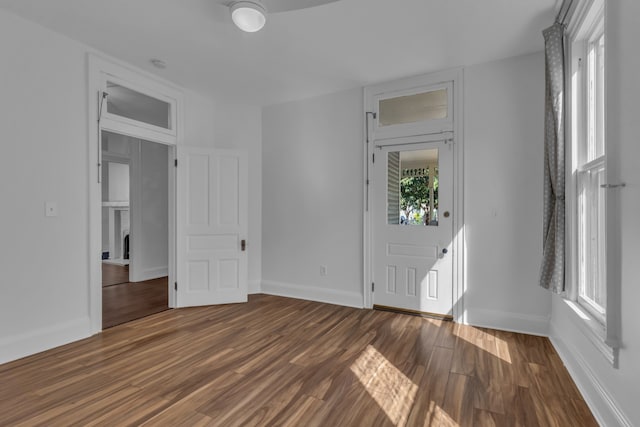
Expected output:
(150, 274)
(602, 404)
(312, 293)
(254, 287)
(507, 321)
(19, 346)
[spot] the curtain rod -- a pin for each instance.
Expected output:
(566, 7)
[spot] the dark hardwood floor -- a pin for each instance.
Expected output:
(113, 274)
(278, 361)
(127, 301)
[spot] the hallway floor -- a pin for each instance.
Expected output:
(126, 301)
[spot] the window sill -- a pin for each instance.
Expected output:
(594, 331)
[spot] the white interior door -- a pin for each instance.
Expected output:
(413, 227)
(212, 201)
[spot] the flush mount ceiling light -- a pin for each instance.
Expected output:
(249, 16)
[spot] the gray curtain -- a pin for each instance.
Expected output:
(552, 272)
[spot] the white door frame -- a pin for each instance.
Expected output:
(412, 134)
(138, 80)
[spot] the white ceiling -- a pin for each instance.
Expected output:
(345, 44)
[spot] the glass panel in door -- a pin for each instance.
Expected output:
(412, 187)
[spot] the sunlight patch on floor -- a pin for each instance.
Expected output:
(488, 342)
(437, 417)
(389, 387)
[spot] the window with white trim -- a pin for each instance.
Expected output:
(589, 154)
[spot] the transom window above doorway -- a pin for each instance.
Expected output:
(417, 110)
(130, 106)
(419, 107)
(125, 102)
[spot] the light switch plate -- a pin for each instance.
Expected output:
(51, 209)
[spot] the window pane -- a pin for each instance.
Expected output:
(599, 137)
(412, 187)
(414, 108)
(592, 239)
(595, 97)
(137, 106)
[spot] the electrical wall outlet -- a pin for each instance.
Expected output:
(51, 209)
(323, 270)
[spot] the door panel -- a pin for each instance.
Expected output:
(413, 227)
(212, 222)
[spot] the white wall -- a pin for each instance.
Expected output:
(504, 119)
(613, 393)
(312, 187)
(44, 125)
(118, 178)
(43, 82)
(119, 145)
(312, 192)
(149, 232)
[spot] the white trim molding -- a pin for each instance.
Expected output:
(604, 407)
(254, 287)
(100, 66)
(19, 346)
(593, 330)
(453, 79)
(312, 293)
(507, 321)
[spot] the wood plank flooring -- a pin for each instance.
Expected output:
(113, 274)
(127, 301)
(284, 362)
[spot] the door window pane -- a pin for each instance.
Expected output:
(414, 108)
(412, 187)
(133, 105)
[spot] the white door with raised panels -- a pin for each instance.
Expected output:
(212, 199)
(413, 227)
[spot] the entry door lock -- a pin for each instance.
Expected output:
(444, 252)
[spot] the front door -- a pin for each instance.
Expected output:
(413, 227)
(212, 226)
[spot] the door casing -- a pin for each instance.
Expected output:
(415, 134)
(149, 84)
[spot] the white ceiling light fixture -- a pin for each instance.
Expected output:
(249, 16)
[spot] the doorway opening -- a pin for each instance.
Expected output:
(412, 240)
(135, 228)
(413, 218)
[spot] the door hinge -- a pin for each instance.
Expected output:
(175, 162)
(175, 286)
(373, 287)
(373, 158)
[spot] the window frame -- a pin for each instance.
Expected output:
(422, 127)
(586, 20)
(588, 165)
